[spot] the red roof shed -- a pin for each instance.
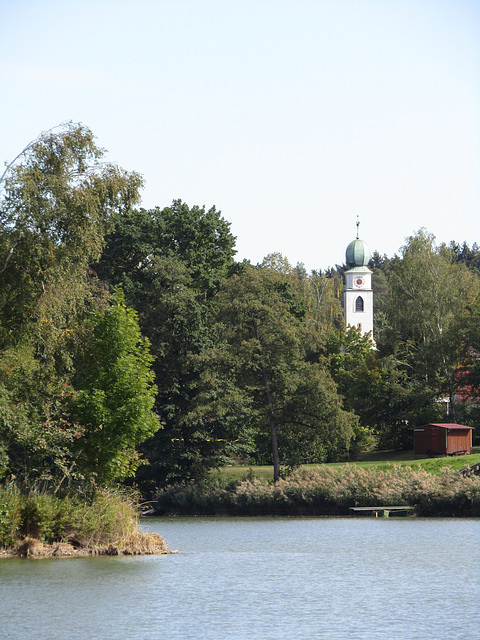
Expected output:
(443, 439)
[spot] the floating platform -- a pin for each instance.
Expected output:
(383, 512)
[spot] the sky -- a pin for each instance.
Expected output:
(291, 117)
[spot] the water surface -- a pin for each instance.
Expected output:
(259, 579)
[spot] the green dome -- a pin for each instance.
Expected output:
(357, 254)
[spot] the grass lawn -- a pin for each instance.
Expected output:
(380, 459)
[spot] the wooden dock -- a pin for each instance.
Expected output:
(473, 469)
(383, 512)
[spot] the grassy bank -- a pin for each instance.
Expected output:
(330, 491)
(383, 460)
(41, 524)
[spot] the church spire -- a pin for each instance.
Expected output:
(358, 293)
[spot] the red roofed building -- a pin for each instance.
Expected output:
(443, 439)
(466, 394)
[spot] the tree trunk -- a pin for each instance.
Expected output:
(276, 457)
(271, 408)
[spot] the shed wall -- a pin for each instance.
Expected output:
(430, 440)
(459, 441)
(435, 440)
(421, 440)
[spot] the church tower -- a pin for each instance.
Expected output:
(358, 294)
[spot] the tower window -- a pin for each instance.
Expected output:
(359, 306)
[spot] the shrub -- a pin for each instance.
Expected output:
(111, 518)
(10, 516)
(46, 517)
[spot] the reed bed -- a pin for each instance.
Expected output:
(327, 491)
(41, 524)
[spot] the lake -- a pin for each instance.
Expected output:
(259, 579)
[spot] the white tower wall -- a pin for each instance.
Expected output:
(358, 299)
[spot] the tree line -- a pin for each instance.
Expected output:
(134, 346)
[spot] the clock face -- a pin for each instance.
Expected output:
(358, 282)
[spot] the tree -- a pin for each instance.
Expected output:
(429, 304)
(170, 263)
(36, 435)
(201, 239)
(259, 366)
(463, 254)
(114, 394)
(321, 294)
(57, 200)
(377, 388)
(354, 366)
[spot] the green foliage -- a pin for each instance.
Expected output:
(468, 377)
(170, 263)
(57, 201)
(262, 377)
(110, 518)
(200, 240)
(375, 385)
(45, 517)
(354, 367)
(429, 305)
(36, 435)
(10, 517)
(463, 254)
(322, 294)
(114, 394)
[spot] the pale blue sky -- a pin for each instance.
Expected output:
(291, 117)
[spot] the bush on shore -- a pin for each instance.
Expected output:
(326, 491)
(106, 525)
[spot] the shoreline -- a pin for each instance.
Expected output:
(143, 544)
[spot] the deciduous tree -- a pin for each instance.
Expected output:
(259, 364)
(114, 394)
(429, 305)
(57, 200)
(170, 263)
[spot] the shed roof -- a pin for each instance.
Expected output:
(448, 425)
